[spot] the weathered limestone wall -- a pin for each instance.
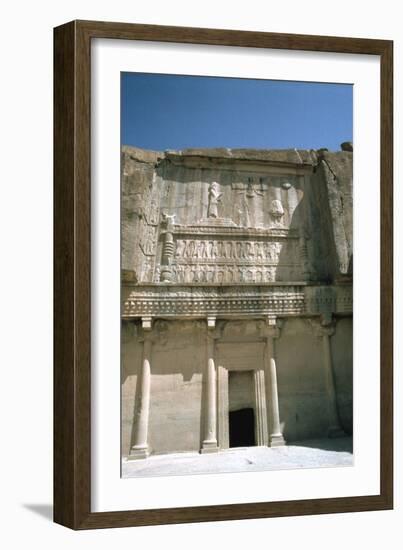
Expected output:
(333, 186)
(305, 195)
(178, 359)
(176, 389)
(236, 292)
(138, 175)
(301, 382)
(131, 354)
(342, 353)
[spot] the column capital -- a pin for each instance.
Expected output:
(145, 332)
(146, 323)
(272, 327)
(211, 321)
(325, 325)
(214, 329)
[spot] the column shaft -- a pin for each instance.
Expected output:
(335, 430)
(276, 436)
(140, 448)
(261, 409)
(210, 428)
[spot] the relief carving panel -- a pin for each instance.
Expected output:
(213, 227)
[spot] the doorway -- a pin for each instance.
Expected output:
(241, 410)
(242, 428)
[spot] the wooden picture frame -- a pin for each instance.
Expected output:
(72, 272)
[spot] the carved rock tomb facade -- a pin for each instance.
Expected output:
(236, 298)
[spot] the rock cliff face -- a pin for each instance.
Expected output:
(335, 170)
(236, 215)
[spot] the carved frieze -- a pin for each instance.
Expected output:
(232, 231)
(218, 230)
(196, 302)
(329, 299)
(213, 273)
(266, 301)
(189, 250)
(226, 260)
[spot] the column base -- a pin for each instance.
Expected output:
(209, 447)
(138, 453)
(277, 440)
(335, 431)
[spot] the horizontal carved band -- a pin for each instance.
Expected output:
(235, 231)
(226, 301)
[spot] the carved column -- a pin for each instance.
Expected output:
(222, 419)
(304, 255)
(140, 447)
(210, 425)
(276, 438)
(261, 409)
(166, 271)
(325, 330)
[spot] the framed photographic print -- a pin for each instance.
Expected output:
(212, 188)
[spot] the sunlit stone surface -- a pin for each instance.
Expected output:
(235, 261)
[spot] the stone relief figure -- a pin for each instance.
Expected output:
(214, 199)
(168, 219)
(203, 250)
(198, 250)
(220, 276)
(147, 271)
(180, 248)
(148, 240)
(214, 250)
(277, 212)
(259, 251)
(251, 191)
(152, 214)
(244, 206)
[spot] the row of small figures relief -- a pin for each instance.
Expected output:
(234, 250)
(212, 274)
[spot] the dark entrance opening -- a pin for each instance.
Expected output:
(242, 428)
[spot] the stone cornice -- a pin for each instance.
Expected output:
(270, 161)
(234, 232)
(233, 301)
(269, 167)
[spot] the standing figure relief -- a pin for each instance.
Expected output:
(214, 198)
(244, 205)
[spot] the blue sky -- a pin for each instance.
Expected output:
(175, 112)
